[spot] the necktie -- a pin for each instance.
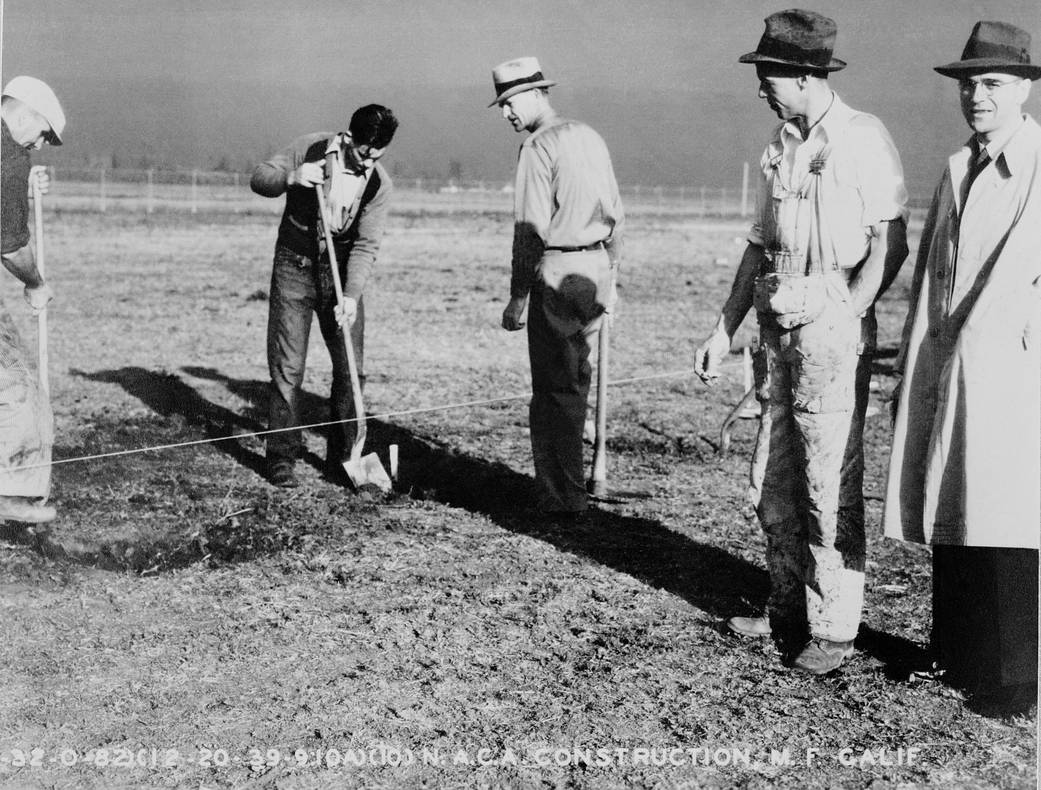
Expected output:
(976, 166)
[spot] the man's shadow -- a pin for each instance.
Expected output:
(706, 576)
(167, 394)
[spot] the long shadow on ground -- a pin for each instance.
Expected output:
(708, 577)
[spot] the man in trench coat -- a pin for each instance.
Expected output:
(965, 470)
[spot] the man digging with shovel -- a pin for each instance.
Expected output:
(31, 115)
(356, 191)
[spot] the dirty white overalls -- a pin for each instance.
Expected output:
(805, 372)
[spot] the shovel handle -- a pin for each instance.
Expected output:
(41, 317)
(598, 480)
(352, 365)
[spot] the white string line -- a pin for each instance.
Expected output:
(386, 415)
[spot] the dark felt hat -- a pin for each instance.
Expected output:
(797, 38)
(994, 46)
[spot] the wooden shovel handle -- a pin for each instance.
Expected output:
(41, 318)
(598, 480)
(352, 365)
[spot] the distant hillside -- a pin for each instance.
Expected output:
(656, 137)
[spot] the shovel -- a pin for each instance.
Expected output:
(41, 318)
(362, 470)
(596, 486)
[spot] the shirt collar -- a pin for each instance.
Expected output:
(836, 116)
(1003, 145)
(335, 147)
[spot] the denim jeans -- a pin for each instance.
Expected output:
(301, 286)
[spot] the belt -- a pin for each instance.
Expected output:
(595, 246)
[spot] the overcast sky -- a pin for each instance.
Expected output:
(671, 50)
(448, 42)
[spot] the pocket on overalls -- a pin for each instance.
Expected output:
(826, 350)
(790, 299)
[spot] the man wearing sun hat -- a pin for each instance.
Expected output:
(829, 235)
(966, 459)
(31, 115)
(566, 249)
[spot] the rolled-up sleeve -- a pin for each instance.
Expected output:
(880, 173)
(761, 219)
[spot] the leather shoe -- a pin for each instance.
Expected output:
(281, 474)
(16, 508)
(821, 656)
(750, 626)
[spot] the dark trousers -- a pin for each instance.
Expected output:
(564, 312)
(301, 287)
(985, 616)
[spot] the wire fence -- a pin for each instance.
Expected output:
(215, 192)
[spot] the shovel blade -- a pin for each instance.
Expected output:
(367, 470)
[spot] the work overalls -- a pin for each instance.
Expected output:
(805, 371)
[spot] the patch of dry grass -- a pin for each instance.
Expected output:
(196, 608)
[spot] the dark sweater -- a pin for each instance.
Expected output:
(14, 194)
(357, 245)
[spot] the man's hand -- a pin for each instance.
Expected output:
(307, 175)
(710, 355)
(38, 297)
(39, 176)
(346, 312)
(511, 316)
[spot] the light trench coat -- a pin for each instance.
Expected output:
(965, 467)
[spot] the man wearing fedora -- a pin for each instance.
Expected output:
(966, 458)
(566, 250)
(31, 115)
(829, 234)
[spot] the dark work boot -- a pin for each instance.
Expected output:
(821, 656)
(280, 473)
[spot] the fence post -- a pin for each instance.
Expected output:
(704, 206)
(195, 191)
(723, 200)
(104, 204)
(151, 192)
(660, 192)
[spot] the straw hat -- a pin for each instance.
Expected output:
(516, 76)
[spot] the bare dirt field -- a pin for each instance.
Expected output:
(184, 624)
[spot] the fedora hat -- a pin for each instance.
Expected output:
(797, 38)
(39, 96)
(994, 46)
(515, 76)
